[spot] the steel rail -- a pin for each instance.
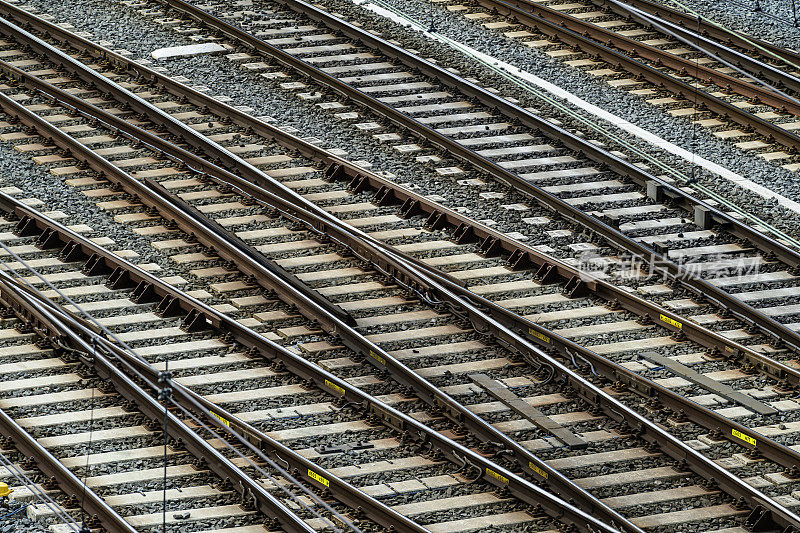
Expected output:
(598, 42)
(525, 256)
(172, 302)
(223, 242)
(454, 410)
(515, 339)
(687, 67)
(383, 185)
(242, 257)
(443, 402)
(41, 318)
(660, 189)
(229, 423)
(100, 513)
(551, 270)
(343, 491)
(179, 209)
(713, 49)
(770, 326)
(196, 224)
(602, 41)
(764, 509)
(625, 379)
(720, 201)
(710, 473)
(225, 245)
(707, 28)
(458, 299)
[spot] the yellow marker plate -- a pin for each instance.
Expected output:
(377, 357)
(335, 387)
(316, 477)
(537, 470)
(671, 321)
(747, 438)
(501, 478)
(223, 420)
(533, 333)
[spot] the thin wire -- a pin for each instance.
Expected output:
(43, 496)
(696, 92)
(89, 447)
(266, 474)
(12, 513)
(133, 353)
(165, 392)
(284, 472)
(57, 291)
(294, 481)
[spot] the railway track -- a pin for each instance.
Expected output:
(673, 66)
(113, 300)
(376, 317)
(725, 251)
(507, 159)
(741, 88)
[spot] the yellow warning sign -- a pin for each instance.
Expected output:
(377, 357)
(334, 387)
(223, 420)
(537, 470)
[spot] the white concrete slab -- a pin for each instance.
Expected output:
(189, 50)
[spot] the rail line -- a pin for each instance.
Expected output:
(521, 256)
(668, 57)
(174, 209)
(627, 54)
(748, 43)
(197, 316)
(730, 303)
(192, 320)
(706, 215)
(112, 362)
(493, 245)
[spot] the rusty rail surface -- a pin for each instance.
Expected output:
(519, 254)
(195, 314)
(28, 298)
(196, 224)
(493, 242)
(42, 319)
(661, 189)
(623, 53)
(397, 267)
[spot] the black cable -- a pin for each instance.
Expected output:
(84, 525)
(165, 395)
